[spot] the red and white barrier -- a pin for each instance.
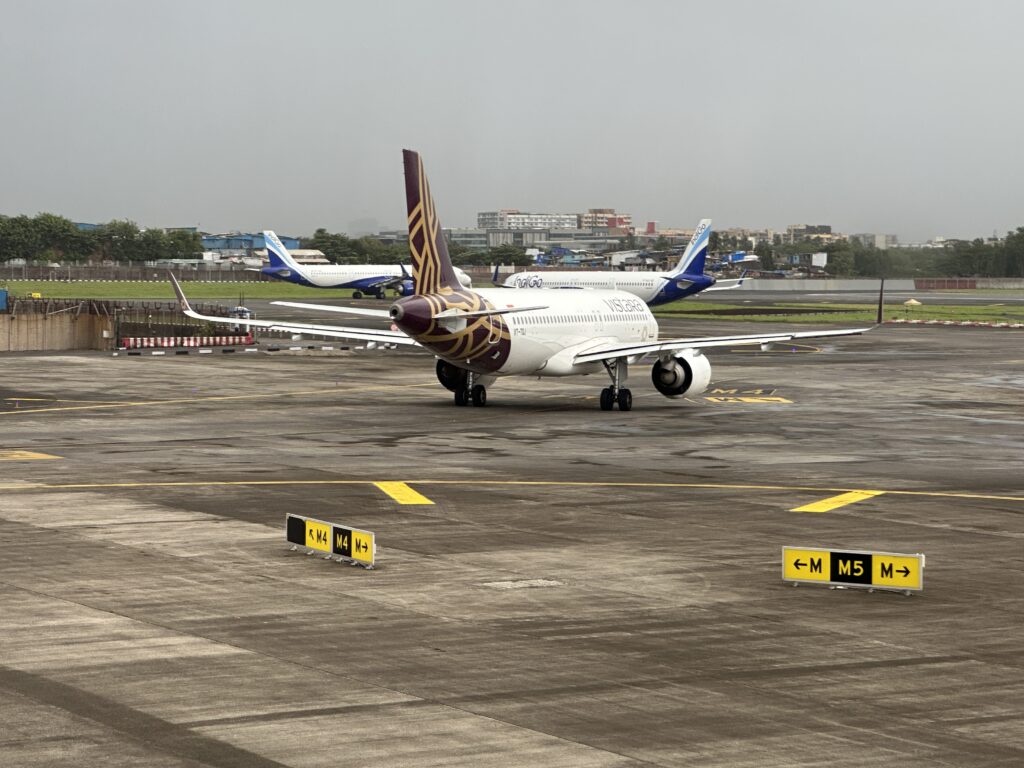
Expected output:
(149, 342)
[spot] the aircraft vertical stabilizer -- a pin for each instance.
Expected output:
(276, 252)
(432, 268)
(692, 261)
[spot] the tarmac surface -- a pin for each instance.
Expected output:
(584, 588)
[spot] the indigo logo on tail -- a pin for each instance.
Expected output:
(692, 261)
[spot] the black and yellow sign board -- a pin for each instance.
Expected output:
(352, 544)
(870, 570)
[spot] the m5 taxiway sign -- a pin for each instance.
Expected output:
(870, 570)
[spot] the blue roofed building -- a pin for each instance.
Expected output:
(243, 241)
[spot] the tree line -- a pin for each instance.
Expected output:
(50, 238)
(47, 237)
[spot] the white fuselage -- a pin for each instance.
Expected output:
(344, 275)
(545, 341)
(644, 285)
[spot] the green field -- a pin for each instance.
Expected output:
(696, 309)
(59, 289)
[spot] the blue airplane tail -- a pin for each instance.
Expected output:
(282, 265)
(693, 258)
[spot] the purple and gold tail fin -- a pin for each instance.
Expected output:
(432, 268)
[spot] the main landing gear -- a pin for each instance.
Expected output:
(471, 392)
(616, 393)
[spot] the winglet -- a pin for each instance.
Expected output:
(494, 277)
(182, 301)
(881, 298)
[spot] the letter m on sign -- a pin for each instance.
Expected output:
(815, 564)
(886, 569)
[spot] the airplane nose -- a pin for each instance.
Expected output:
(412, 314)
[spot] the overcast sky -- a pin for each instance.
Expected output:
(902, 116)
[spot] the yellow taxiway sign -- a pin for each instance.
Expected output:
(863, 569)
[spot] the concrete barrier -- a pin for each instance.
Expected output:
(54, 333)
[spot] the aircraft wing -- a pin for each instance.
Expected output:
(614, 350)
(332, 308)
(356, 334)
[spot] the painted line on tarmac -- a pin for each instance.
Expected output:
(835, 502)
(211, 399)
(25, 456)
(778, 347)
(402, 493)
(503, 483)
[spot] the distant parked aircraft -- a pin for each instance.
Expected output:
(687, 279)
(372, 279)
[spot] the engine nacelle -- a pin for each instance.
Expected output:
(405, 288)
(687, 373)
(451, 377)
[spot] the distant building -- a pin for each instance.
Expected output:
(243, 242)
(604, 217)
(881, 242)
(475, 239)
(816, 233)
(510, 218)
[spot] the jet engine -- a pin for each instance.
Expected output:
(686, 373)
(450, 376)
(405, 288)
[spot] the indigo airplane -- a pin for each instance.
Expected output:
(371, 279)
(482, 335)
(686, 279)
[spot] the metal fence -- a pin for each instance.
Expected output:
(234, 273)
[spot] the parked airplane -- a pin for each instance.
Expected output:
(686, 279)
(372, 279)
(479, 336)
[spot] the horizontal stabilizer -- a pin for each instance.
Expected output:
(725, 285)
(332, 308)
(448, 314)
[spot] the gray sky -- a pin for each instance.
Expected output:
(902, 116)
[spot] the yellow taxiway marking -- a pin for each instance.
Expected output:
(211, 399)
(778, 347)
(402, 493)
(503, 483)
(834, 502)
(746, 399)
(24, 456)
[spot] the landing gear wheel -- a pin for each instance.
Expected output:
(462, 396)
(607, 399)
(357, 294)
(479, 395)
(625, 400)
